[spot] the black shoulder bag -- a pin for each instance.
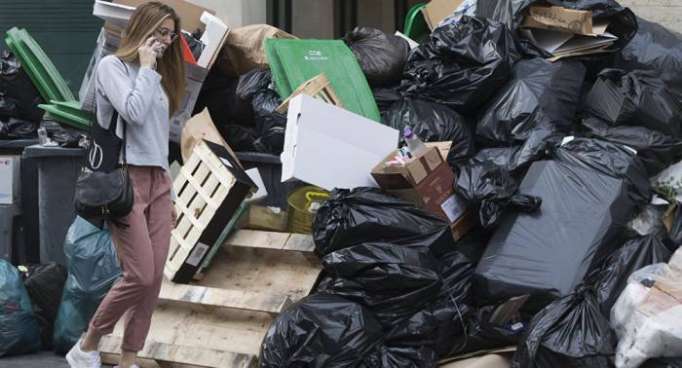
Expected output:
(103, 189)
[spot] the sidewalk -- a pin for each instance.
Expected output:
(41, 360)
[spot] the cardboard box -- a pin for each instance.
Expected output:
(190, 14)
(10, 180)
(428, 182)
(195, 76)
(330, 147)
(437, 10)
(558, 18)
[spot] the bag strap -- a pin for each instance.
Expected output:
(112, 129)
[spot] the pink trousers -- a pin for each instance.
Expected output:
(142, 249)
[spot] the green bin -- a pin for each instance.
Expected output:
(293, 62)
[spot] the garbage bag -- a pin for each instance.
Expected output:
(663, 363)
(65, 137)
(646, 319)
(19, 96)
(393, 281)
(351, 217)
(386, 96)
(656, 150)
(656, 48)
(540, 92)
(676, 228)
(381, 56)
(93, 268)
(252, 83)
(649, 221)
(45, 284)
(611, 159)
(431, 122)
(19, 330)
(517, 158)
(239, 138)
(492, 190)
(323, 331)
(18, 129)
(462, 65)
(409, 357)
(270, 130)
(622, 22)
(480, 333)
(569, 332)
(587, 202)
(611, 279)
(219, 95)
(636, 98)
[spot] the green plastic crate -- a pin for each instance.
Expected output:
(293, 62)
(38, 66)
(69, 113)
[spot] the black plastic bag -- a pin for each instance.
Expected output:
(656, 150)
(517, 158)
(238, 137)
(19, 330)
(270, 130)
(676, 229)
(253, 82)
(540, 92)
(611, 278)
(610, 159)
(569, 332)
(462, 65)
(64, 136)
(19, 96)
(656, 48)
(492, 190)
(45, 284)
(18, 129)
(323, 331)
(588, 198)
(386, 97)
(219, 95)
(381, 56)
(636, 98)
(431, 122)
(622, 22)
(352, 217)
(393, 281)
(663, 363)
(409, 357)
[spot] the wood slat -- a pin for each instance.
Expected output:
(271, 240)
(224, 298)
(185, 355)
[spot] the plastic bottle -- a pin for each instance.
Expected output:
(416, 146)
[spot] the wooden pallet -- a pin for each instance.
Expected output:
(319, 87)
(220, 321)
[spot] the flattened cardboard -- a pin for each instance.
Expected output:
(190, 14)
(330, 147)
(558, 18)
(437, 10)
(200, 127)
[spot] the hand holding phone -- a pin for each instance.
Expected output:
(147, 53)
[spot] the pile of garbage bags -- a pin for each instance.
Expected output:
(560, 162)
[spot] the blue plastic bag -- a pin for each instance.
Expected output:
(19, 330)
(93, 268)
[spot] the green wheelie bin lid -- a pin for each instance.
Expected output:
(38, 66)
(293, 62)
(415, 24)
(69, 113)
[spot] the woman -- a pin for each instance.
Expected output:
(144, 83)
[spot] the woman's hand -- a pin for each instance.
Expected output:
(147, 54)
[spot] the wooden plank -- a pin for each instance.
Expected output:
(224, 298)
(271, 240)
(192, 355)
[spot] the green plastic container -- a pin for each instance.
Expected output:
(293, 62)
(69, 113)
(38, 66)
(415, 24)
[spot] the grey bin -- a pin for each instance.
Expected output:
(270, 169)
(58, 169)
(8, 222)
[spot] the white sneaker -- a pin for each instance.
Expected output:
(78, 358)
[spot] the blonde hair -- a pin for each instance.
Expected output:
(142, 25)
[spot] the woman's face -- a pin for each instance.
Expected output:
(165, 34)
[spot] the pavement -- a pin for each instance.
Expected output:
(44, 359)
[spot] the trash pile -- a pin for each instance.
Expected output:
(524, 208)
(509, 185)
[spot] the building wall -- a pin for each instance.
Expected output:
(666, 12)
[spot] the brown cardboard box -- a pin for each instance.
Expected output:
(437, 10)
(189, 13)
(428, 182)
(558, 18)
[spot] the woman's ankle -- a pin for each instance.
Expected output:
(90, 342)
